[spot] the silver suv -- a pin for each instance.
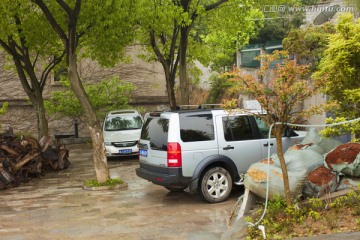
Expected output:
(203, 149)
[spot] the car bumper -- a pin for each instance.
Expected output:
(167, 177)
(112, 151)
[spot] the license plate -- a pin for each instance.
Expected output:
(143, 152)
(125, 151)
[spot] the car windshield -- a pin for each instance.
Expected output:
(118, 123)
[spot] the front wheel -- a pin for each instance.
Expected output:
(215, 185)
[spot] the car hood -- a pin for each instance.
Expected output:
(122, 136)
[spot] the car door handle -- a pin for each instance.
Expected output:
(228, 147)
(267, 144)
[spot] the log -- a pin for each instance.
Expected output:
(45, 142)
(9, 150)
(22, 161)
(30, 142)
(25, 158)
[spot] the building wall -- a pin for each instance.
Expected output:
(147, 77)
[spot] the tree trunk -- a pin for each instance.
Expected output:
(34, 91)
(279, 148)
(184, 81)
(170, 89)
(100, 162)
(38, 102)
(91, 120)
(169, 66)
(42, 122)
(69, 40)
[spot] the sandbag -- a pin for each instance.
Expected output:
(266, 161)
(256, 178)
(312, 136)
(327, 144)
(348, 182)
(344, 159)
(309, 146)
(320, 181)
(300, 160)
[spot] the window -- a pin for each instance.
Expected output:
(270, 50)
(156, 131)
(263, 128)
(237, 128)
(198, 127)
(248, 58)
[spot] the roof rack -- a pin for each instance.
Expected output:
(204, 106)
(201, 106)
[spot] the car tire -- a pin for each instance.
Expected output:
(215, 185)
(171, 189)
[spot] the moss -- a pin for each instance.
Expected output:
(110, 182)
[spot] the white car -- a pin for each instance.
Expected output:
(121, 131)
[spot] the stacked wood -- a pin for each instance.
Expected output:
(24, 158)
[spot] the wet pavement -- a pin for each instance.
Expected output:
(56, 207)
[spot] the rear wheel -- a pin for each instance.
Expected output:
(215, 185)
(175, 189)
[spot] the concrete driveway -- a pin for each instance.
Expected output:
(56, 207)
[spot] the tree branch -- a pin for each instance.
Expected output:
(65, 6)
(49, 68)
(51, 20)
(156, 49)
(8, 49)
(214, 5)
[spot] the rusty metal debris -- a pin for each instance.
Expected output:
(24, 158)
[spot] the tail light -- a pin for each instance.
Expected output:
(174, 155)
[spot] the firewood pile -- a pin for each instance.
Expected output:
(24, 158)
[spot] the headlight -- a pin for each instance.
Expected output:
(107, 143)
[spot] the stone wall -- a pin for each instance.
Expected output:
(148, 77)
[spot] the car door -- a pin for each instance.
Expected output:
(266, 143)
(236, 140)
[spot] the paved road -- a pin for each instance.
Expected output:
(56, 207)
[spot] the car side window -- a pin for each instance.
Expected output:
(237, 128)
(263, 128)
(197, 127)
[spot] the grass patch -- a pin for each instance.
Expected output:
(109, 183)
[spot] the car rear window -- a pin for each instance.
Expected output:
(155, 130)
(196, 127)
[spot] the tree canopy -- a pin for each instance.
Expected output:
(106, 95)
(308, 44)
(176, 32)
(32, 51)
(339, 69)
